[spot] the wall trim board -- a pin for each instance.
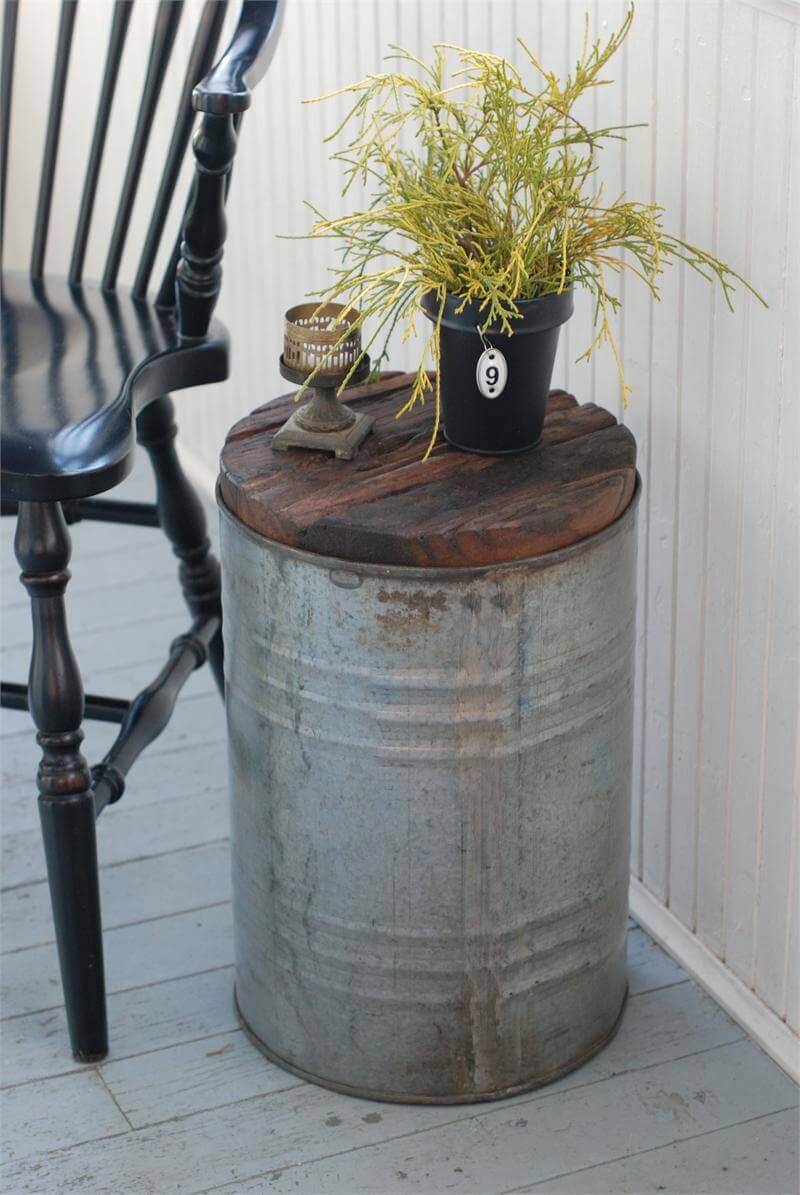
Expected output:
(747, 1009)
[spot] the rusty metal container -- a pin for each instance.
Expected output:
(430, 780)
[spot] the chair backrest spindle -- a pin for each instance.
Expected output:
(166, 291)
(166, 27)
(65, 30)
(200, 60)
(116, 44)
(218, 90)
(6, 84)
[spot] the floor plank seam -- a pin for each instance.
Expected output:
(16, 1016)
(79, 1068)
(110, 929)
(88, 636)
(495, 1108)
(114, 1099)
(234, 1028)
(295, 1085)
(31, 1161)
(137, 798)
(445, 1124)
(178, 850)
(136, 987)
(186, 699)
(104, 552)
(660, 987)
(122, 862)
(643, 1152)
(20, 778)
(140, 662)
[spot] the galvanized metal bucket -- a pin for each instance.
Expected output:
(430, 784)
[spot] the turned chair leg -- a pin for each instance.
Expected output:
(66, 803)
(183, 520)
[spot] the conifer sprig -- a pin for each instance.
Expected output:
(483, 185)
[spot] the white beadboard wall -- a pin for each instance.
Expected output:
(714, 409)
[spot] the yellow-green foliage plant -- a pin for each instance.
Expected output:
(483, 185)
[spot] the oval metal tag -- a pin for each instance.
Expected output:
(491, 373)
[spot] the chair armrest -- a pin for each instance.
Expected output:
(226, 88)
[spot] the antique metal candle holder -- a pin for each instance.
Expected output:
(324, 423)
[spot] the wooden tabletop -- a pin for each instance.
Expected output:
(456, 509)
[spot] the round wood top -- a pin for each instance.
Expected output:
(456, 509)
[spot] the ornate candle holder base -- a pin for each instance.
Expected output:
(344, 442)
(324, 423)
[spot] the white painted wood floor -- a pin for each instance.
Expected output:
(681, 1101)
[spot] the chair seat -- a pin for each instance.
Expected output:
(78, 366)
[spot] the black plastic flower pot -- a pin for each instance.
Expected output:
(493, 387)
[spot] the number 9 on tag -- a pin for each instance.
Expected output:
(491, 373)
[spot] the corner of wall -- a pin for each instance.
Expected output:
(768, 1030)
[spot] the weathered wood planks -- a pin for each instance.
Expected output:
(456, 509)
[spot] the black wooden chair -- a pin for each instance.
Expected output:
(87, 372)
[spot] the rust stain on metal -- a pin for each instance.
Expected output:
(418, 601)
(472, 601)
(502, 601)
(406, 607)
